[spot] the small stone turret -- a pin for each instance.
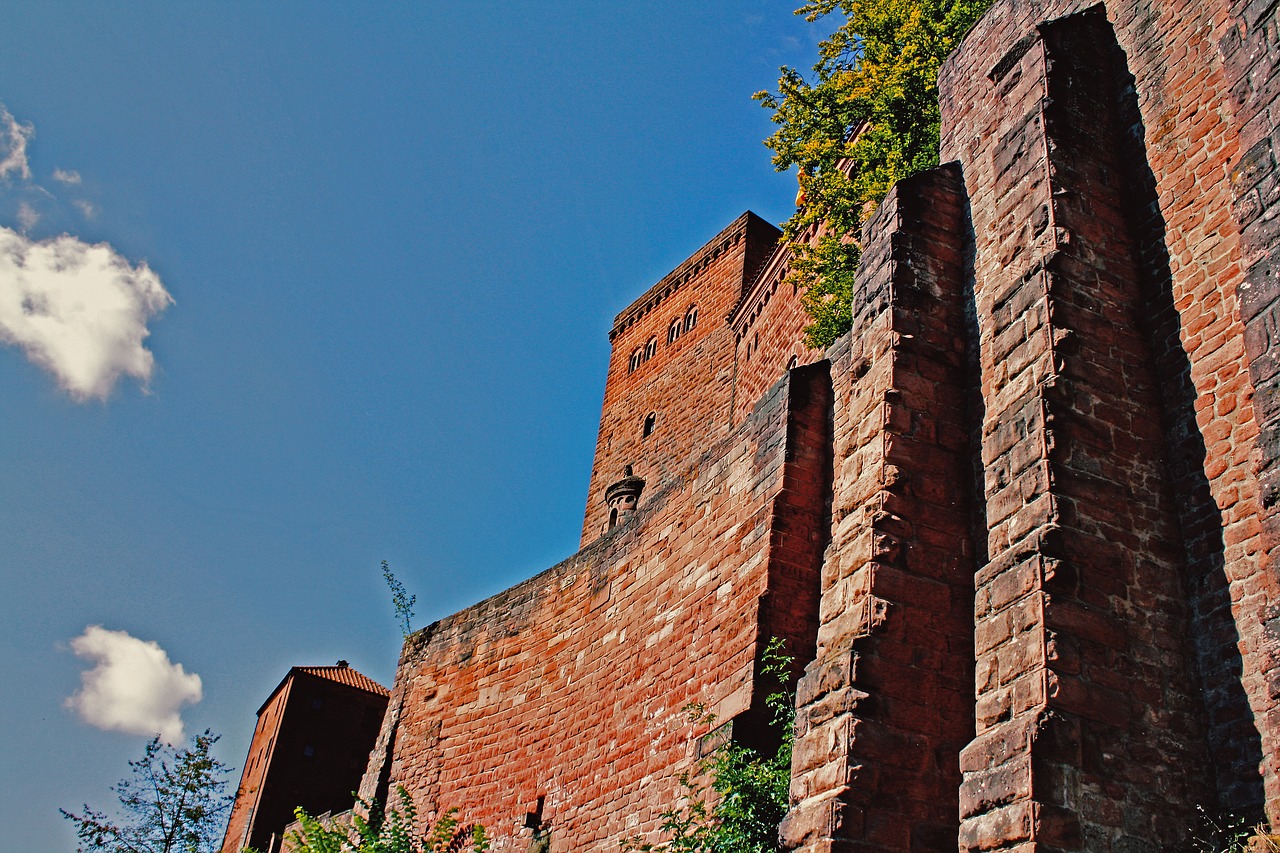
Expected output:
(622, 497)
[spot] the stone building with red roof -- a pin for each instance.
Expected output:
(309, 749)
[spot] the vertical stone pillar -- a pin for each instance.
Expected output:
(1251, 53)
(1089, 731)
(885, 707)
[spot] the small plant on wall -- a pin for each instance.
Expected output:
(748, 789)
(391, 832)
(1231, 833)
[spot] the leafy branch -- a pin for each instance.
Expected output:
(391, 832)
(400, 600)
(173, 801)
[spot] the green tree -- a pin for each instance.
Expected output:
(391, 832)
(868, 118)
(750, 788)
(172, 802)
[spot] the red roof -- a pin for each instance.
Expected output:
(342, 674)
(345, 675)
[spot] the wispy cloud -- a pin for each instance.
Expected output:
(66, 176)
(79, 311)
(13, 145)
(133, 686)
(28, 216)
(86, 208)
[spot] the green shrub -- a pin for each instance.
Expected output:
(392, 831)
(750, 788)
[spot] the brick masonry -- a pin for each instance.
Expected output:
(1171, 147)
(886, 706)
(768, 333)
(1019, 527)
(572, 687)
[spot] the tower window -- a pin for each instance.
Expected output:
(675, 330)
(650, 420)
(691, 318)
(650, 349)
(637, 358)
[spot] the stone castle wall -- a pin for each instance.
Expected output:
(1018, 526)
(571, 689)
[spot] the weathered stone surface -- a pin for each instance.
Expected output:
(1019, 526)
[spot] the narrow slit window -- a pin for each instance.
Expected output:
(650, 421)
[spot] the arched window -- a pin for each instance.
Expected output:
(674, 331)
(637, 358)
(650, 421)
(691, 318)
(650, 349)
(792, 362)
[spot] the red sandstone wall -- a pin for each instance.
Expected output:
(1190, 250)
(572, 687)
(1251, 50)
(768, 332)
(687, 384)
(1089, 728)
(884, 709)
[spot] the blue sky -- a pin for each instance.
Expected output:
(394, 239)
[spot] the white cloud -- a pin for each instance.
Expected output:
(27, 216)
(86, 208)
(79, 311)
(13, 145)
(66, 176)
(133, 687)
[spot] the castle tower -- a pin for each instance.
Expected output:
(670, 386)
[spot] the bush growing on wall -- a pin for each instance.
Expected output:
(392, 831)
(750, 789)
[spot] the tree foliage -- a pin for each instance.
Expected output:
(173, 802)
(394, 831)
(868, 118)
(750, 789)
